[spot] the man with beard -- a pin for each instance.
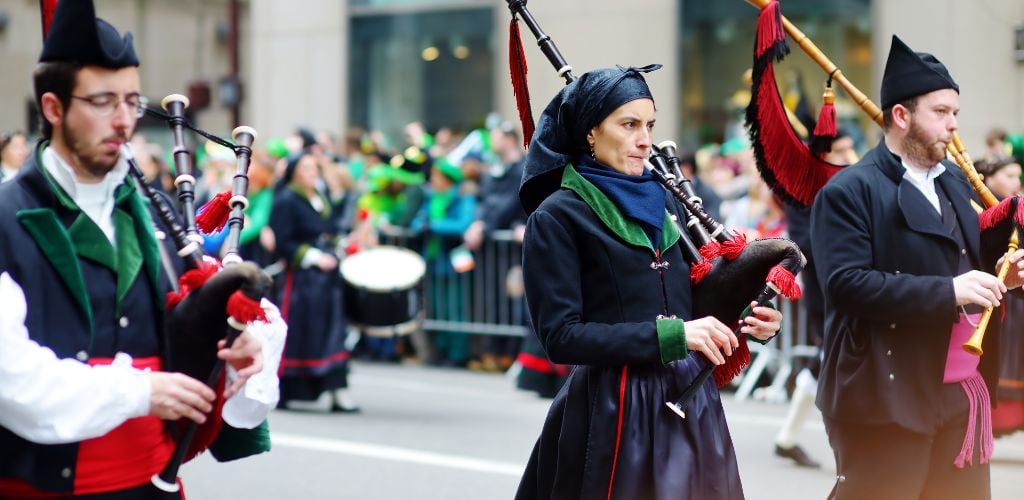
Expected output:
(898, 251)
(84, 404)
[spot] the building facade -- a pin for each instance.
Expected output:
(378, 64)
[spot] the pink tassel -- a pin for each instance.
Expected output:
(979, 408)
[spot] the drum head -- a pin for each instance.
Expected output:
(384, 269)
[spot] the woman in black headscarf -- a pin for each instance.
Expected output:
(315, 362)
(608, 291)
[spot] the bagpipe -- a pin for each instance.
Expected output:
(726, 271)
(208, 294)
(796, 172)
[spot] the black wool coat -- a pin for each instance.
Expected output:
(594, 289)
(886, 266)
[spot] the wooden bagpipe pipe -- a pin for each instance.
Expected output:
(211, 300)
(796, 172)
(727, 272)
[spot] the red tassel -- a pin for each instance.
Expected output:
(733, 364)
(825, 130)
(733, 247)
(1018, 213)
(46, 10)
(244, 309)
(710, 250)
(770, 29)
(517, 67)
(785, 162)
(214, 214)
(785, 281)
(190, 280)
(992, 216)
(699, 271)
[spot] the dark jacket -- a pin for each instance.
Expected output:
(77, 304)
(595, 287)
(886, 266)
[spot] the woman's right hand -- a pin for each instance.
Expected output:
(327, 262)
(710, 337)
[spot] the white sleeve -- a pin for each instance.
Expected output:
(250, 406)
(311, 258)
(49, 400)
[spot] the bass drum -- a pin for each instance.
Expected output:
(383, 290)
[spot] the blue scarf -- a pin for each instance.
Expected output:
(638, 197)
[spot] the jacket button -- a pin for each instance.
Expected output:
(892, 377)
(889, 352)
(892, 326)
(123, 322)
(82, 356)
(841, 479)
(897, 271)
(963, 251)
(65, 472)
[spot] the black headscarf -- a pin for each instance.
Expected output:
(561, 134)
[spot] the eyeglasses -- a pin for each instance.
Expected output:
(106, 104)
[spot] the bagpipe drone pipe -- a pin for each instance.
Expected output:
(727, 272)
(212, 300)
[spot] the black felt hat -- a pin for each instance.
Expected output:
(561, 134)
(76, 35)
(910, 74)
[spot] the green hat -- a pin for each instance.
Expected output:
(449, 169)
(277, 148)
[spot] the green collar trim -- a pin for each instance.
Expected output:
(138, 208)
(62, 197)
(56, 244)
(327, 204)
(627, 230)
(90, 242)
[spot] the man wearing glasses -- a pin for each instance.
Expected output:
(82, 398)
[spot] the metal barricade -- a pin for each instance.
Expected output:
(476, 301)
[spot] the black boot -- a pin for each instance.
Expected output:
(798, 455)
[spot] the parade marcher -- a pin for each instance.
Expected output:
(608, 290)
(798, 221)
(80, 242)
(897, 248)
(315, 364)
(1002, 176)
(13, 152)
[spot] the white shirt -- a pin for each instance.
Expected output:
(49, 400)
(95, 199)
(925, 182)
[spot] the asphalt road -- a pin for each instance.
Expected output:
(428, 433)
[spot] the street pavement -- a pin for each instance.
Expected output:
(429, 433)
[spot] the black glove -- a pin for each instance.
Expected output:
(199, 321)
